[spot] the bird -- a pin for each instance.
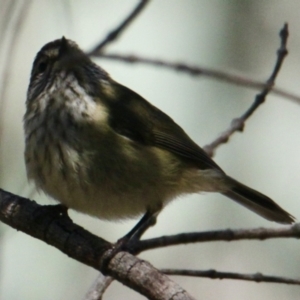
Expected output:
(99, 148)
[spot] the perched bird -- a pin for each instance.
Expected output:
(98, 147)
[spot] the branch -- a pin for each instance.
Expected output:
(228, 235)
(114, 34)
(201, 71)
(99, 287)
(213, 274)
(53, 226)
(57, 229)
(239, 123)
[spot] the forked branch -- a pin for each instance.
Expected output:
(238, 124)
(53, 226)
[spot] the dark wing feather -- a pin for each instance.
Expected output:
(183, 146)
(135, 118)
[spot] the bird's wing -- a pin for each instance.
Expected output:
(138, 120)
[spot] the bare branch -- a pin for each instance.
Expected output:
(99, 287)
(239, 123)
(202, 71)
(228, 235)
(213, 274)
(53, 226)
(114, 34)
(141, 275)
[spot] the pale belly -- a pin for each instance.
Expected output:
(107, 188)
(110, 184)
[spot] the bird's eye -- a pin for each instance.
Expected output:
(42, 66)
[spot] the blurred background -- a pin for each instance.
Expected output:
(233, 35)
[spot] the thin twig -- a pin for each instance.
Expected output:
(99, 287)
(213, 274)
(239, 123)
(202, 71)
(114, 34)
(228, 235)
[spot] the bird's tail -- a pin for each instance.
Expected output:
(257, 202)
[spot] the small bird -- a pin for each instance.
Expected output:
(98, 147)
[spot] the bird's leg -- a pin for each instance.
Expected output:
(123, 244)
(148, 220)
